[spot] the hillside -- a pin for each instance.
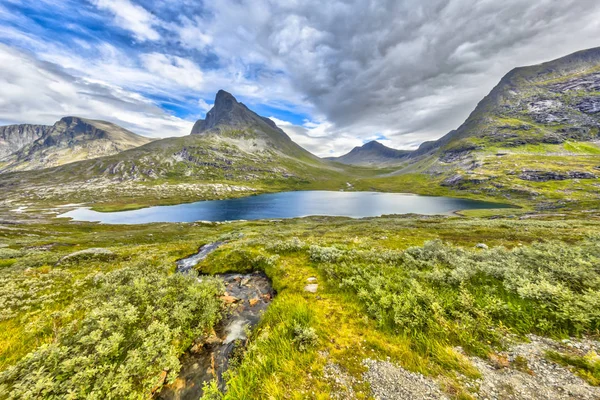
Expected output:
(234, 152)
(534, 140)
(68, 140)
(548, 103)
(372, 154)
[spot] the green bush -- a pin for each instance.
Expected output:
(443, 292)
(136, 323)
(286, 246)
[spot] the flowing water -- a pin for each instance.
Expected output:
(247, 296)
(287, 205)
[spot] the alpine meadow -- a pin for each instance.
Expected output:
(298, 200)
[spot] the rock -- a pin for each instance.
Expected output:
(589, 105)
(161, 381)
(482, 246)
(311, 288)
(545, 176)
(312, 279)
(453, 180)
(229, 299)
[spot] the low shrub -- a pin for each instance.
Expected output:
(136, 322)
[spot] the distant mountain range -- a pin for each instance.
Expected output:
(540, 123)
(30, 147)
(372, 154)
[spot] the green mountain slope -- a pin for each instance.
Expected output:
(548, 103)
(533, 140)
(233, 152)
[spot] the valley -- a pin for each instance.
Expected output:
(479, 303)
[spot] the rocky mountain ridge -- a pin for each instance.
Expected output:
(14, 137)
(68, 140)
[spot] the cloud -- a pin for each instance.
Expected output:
(131, 17)
(41, 92)
(179, 70)
(412, 69)
(405, 69)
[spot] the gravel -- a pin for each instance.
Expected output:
(389, 381)
(542, 379)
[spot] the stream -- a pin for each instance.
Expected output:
(246, 297)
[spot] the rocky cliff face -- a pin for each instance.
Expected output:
(14, 137)
(72, 139)
(372, 154)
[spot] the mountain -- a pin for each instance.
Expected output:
(232, 120)
(15, 137)
(534, 138)
(68, 140)
(372, 154)
(234, 150)
(550, 103)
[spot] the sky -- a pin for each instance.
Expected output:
(333, 74)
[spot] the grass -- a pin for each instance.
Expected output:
(347, 327)
(587, 367)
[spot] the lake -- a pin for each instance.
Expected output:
(287, 205)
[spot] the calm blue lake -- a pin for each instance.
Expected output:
(287, 205)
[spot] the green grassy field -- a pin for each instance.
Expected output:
(408, 288)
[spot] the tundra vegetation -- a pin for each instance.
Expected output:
(113, 323)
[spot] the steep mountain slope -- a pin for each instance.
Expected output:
(372, 154)
(14, 137)
(548, 103)
(232, 120)
(533, 139)
(72, 139)
(234, 150)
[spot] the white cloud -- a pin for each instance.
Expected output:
(406, 69)
(39, 92)
(179, 70)
(131, 17)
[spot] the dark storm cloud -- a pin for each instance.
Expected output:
(405, 69)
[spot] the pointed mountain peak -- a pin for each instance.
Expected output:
(224, 97)
(227, 112)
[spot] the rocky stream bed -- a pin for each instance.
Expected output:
(246, 297)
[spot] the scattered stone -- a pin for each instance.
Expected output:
(545, 176)
(524, 372)
(312, 279)
(482, 246)
(341, 382)
(311, 288)
(392, 382)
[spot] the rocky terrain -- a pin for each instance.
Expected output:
(14, 137)
(372, 154)
(68, 140)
